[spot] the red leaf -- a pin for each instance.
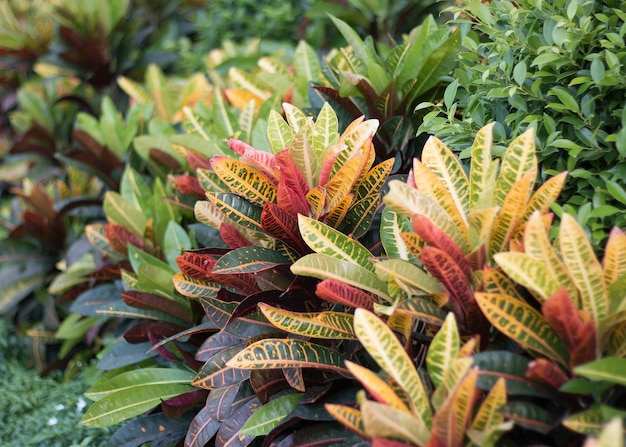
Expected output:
(176, 406)
(139, 332)
(233, 237)
(435, 236)
(586, 349)
(110, 272)
(197, 161)
(200, 266)
(338, 292)
(283, 226)
(546, 371)
(292, 187)
(441, 265)
(263, 160)
(563, 317)
(119, 237)
(148, 301)
(189, 185)
(164, 159)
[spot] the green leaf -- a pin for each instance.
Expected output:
(382, 344)
(325, 130)
(175, 243)
(530, 416)
(511, 367)
(443, 350)
(610, 369)
(382, 421)
(144, 376)
(270, 415)
(566, 98)
(362, 52)
(391, 225)
(325, 267)
(326, 240)
(409, 276)
(120, 211)
(125, 404)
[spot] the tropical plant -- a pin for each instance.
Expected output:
(554, 67)
(387, 82)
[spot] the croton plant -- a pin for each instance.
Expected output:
(321, 302)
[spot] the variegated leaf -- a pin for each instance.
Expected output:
(215, 374)
(335, 215)
(547, 193)
(443, 350)
(529, 272)
(422, 310)
(316, 199)
(511, 210)
(614, 262)
(238, 209)
(407, 274)
(325, 130)
(209, 214)
(359, 217)
(524, 325)
(442, 162)
(327, 324)
(304, 158)
(588, 422)
(287, 353)
(452, 419)
(452, 376)
(488, 416)
(373, 181)
(306, 65)
(413, 243)
(278, 132)
(584, 268)
(481, 225)
(616, 346)
(326, 240)
(295, 117)
(244, 180)
(377, 387)
(338, 292)
(355, 136)
(348, 416)
(342, 181)
(210, 181)
(325, 267)
(518, 159)
(537, 245)
(391, 226)
(408, 201)
(193, 288)
(479, 168)
(382, 421)
(244, 81)
(249, 260)
(384, 347)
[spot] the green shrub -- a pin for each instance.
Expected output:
(556, 67)
(36, 411)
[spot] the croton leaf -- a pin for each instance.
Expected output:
(488, 415)
(384, 347)
(338, 292)
(614, 262)
(529, 415)
(325, 267)
(518, 158)
(377, 387)
(584, 267)
(326, 240)
(216, 374)
(249, 260)
(382, 421)
(443, 349)
(244, 180)
(524, 325)
(287, 353)
(481, 160)
(327, 324)
(350, 417)
(202, 428)
(238, 209)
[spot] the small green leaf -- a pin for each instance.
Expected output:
(270, 415)
(610, 369)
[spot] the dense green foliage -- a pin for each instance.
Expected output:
(557, 67)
